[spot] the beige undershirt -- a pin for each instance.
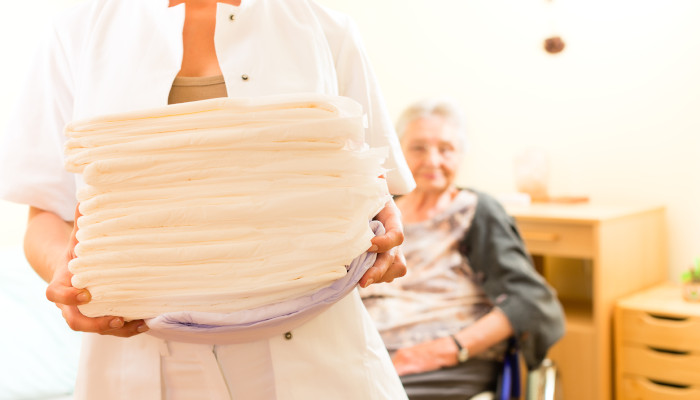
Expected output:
(193, 88)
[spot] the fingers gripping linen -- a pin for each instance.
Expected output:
(222, 205)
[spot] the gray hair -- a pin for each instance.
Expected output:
(447, 109)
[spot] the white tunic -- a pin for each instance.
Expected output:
(108, 56)
(111, 56)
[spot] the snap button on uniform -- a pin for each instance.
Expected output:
(232, 17)
(244, 77)
(288, 335)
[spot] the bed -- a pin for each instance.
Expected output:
(39, 352)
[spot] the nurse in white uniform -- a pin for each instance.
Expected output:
(110, 56)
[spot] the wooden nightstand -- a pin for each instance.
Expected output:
(592, 255)
(657, 346)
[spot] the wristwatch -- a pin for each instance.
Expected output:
(462, 352)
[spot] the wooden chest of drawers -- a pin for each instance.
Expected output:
(657, 346)
(593, 255)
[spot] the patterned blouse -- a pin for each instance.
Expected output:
(439, 295)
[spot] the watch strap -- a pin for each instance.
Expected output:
(462, 352)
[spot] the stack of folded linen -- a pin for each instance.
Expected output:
(221, 205)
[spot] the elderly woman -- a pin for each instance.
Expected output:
(470, 283)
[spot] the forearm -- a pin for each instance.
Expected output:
(489, 330)
(46, 241)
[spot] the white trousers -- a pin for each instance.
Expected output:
(337, 355)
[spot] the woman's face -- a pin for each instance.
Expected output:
(432, 150)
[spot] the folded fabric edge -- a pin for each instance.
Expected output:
(261, 322)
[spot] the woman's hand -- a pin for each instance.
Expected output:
(390, 263)
(486, 332)
(67, 298)
(426, 356)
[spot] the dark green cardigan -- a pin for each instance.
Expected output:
(502, 266)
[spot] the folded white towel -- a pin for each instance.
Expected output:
(264, 321)
(222, 206)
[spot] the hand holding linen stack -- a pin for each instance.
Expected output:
(222, 205)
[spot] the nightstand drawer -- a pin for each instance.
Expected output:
(557, 239)
(636, 388)
(661, 365)
(665, 331)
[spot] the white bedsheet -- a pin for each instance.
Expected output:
(39, 352)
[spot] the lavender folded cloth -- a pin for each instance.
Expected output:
(261, 322)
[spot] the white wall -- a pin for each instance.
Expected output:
(617, 111)
(22, 24)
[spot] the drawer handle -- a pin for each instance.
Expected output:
(664, 321)
(667, 351)
(668, 384)
(540, 236)
(667, 317)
